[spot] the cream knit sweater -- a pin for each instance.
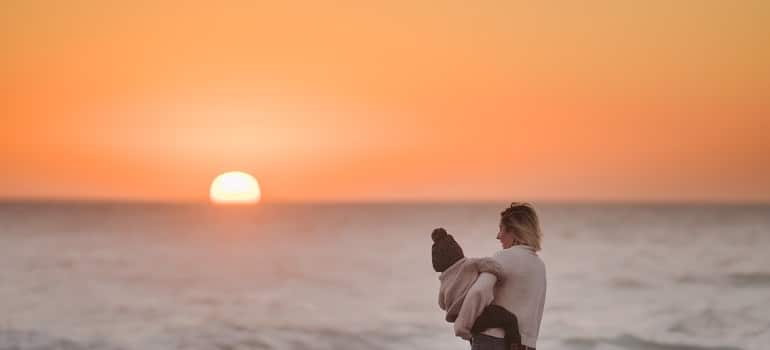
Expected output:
(522, 292)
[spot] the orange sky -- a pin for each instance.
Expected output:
(502, 100)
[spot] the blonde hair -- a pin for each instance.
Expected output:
(520, 220)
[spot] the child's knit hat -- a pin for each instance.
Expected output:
(445, 250)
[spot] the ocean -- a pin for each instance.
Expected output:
(359, 276)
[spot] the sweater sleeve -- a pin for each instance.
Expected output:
(479, 296)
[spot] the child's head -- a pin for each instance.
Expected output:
(445, 250)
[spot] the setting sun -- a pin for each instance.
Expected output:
(235, 187)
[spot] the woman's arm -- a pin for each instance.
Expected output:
(479, 296)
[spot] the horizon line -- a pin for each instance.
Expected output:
(425, 201)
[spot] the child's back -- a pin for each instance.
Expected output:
(458, 274)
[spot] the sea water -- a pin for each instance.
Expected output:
(359, 276)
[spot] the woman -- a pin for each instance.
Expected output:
(522, 291)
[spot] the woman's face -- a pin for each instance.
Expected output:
(505, 238)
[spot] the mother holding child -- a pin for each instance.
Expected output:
(496, 302)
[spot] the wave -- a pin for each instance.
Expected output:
(630, 342)
(627, 283)
(741, 280)
(757, 279)
(30, 339)
(216, 336)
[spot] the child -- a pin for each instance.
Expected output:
(457, 275)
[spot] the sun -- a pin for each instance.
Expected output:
(235, 187)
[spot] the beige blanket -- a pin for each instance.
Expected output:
(458, 278)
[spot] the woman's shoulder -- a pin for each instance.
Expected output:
(515, 253)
